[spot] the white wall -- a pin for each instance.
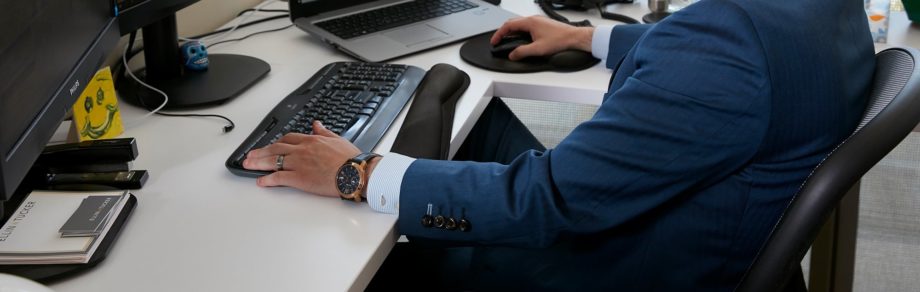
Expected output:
(208, 15)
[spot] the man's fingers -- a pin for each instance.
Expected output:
(510, 26)
(266, 163)
(319, 129)
(271, 150)
(261, 163)
(532, 49)
(295, 138)
(278, 178)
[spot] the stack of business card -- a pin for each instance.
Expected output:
(90, 217)
(55, 227)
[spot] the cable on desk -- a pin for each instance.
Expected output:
(241, 26)
(235, 26)
(262, 10)
(615, 16)
(130, 53)
(157, 111)
(133, 52)
(550, 9)
(227, 128)
(118, 68)
(124, 60)
(249, 35)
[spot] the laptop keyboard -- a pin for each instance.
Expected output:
(363, 23)
(355, 100)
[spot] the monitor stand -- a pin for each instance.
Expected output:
(226, 77)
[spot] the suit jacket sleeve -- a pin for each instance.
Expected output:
(622, 38)
(692, 110)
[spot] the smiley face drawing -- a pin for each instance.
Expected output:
(107, 116)
(96, 114)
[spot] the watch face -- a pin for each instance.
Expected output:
(348, 179)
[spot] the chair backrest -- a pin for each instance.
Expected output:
(893, 111)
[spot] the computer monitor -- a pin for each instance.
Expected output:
(226, 76)
(49, 50)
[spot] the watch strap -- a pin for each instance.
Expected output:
(364, 157)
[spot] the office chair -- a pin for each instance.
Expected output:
(893, 111)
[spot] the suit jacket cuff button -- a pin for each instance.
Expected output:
(464, 225)
(426, 221)
(439, 221)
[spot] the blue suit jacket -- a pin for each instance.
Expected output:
(713, 119)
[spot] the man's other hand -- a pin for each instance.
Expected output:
(549, 36)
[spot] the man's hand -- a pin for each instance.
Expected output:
(549, 36)
(310, 161)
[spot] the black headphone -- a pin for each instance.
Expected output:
(550, 6)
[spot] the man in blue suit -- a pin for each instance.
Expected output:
(713, 119)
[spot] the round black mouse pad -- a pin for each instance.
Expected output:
(478, 52)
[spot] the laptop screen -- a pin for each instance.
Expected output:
(307, 8)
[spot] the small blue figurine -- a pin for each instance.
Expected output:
(195, 56)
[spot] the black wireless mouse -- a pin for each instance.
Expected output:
(508, 43)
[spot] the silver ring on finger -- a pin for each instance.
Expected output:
(279, 163)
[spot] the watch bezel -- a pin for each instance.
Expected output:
(360, 163)
(356, 195)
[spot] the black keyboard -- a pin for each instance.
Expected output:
(356, 100)
(363, 23)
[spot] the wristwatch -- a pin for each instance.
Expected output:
(351, 179)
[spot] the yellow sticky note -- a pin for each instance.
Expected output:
(95, 114)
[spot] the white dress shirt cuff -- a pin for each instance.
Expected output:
(600, 41)
(385, 182)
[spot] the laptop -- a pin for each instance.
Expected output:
(379, 30)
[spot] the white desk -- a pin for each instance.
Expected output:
(199, 228)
